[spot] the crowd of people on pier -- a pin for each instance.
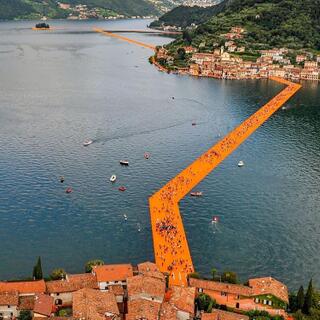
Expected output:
(171, 247)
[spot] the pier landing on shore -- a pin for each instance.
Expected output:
(171, 250)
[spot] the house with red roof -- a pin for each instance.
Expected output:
(112, 274)
(217, 314)
(62, 290)
(264, 294)
(43, 306)
(90, 304)
(24, 288)
(9, 305)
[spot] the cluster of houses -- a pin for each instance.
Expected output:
(225, 62)
(124, 292)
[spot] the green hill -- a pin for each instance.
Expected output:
(33, 9)
(184, 16)
(294, 24)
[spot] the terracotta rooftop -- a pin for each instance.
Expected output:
(269, 285)
(73, 282)
(183, 298)
(113, 272)
(143, 309)
(24, 287)
(9, 298)
(223, 315)
(117, 290)
(147, 267)
(168, 312)
(150, 269)
(145, 285)
(43, 304)
(26, 303)
(94, 304)
(220, 286)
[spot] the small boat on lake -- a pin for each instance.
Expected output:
(147, 155)
(125, 217)
(62, 179)
(69, 190)
(113, 178)
(194, 123)
(240, 164)
(124, 162)
(215, 219)
(87, 142)
(122, 188)
(196, 194)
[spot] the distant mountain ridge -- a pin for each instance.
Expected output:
(33, 9)
(184, 16)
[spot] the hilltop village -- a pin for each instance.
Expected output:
(126, 292)
(229, 61)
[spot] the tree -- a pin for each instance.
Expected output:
(213, 273)
(300, 298)
(194, 275)
(205, 302)
(308, 299)
(37, 270)
(181, 53)
(90, 264)
(58, 274)
(25, 315)
(229, 276)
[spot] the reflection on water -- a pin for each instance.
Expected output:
(61, 87)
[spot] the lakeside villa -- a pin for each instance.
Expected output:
(123, 291)
(225, 62)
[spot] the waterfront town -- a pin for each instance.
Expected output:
(123, 291)
(226, 62)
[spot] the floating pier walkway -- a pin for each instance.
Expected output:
(171, 250)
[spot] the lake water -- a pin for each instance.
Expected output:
(58, 88)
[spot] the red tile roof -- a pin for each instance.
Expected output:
(26, 303)
(223, 315)
(143, 309)
(117, 290)
(221, 287)
(262, 286)
(9, 298)
(24, 287)
(168, 312)
(113, 272)
(150, 269)
(183, 298)
(43, 305)
(73, 282)
(139, 285)
(94, 304)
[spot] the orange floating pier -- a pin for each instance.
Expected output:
(117, 36)
(171, 248)
(172, 254)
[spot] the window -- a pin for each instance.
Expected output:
(224, 294)
(8, 306)
(270, 303)
(200, 290)
(237, 305)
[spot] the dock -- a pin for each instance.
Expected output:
(171, 249)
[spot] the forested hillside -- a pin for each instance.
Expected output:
(184, 16)
(33, 9)
(268, 23)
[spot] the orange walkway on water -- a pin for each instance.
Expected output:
(170, 244)
(117, 36)
(171, 248)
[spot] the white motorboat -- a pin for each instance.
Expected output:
(240, 164)
(113, 178)
(87, 142)
(124, 162)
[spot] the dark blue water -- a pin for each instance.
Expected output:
(59, 88)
